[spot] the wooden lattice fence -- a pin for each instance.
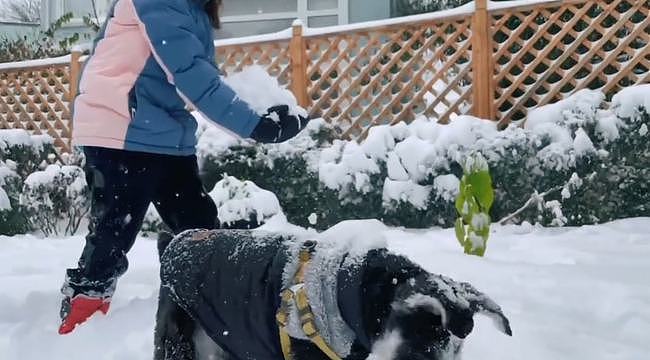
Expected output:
(495, 62)
(37, 99)
(547, 52)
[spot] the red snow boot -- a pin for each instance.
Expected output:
(82, 307)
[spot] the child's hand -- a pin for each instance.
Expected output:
(77, 310)
(277, 125)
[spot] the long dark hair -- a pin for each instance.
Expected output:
(212, 8)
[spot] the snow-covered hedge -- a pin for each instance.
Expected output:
(573, 162)
(27, 153)
(12, 217)
(241, 205)
(37, 194)
(56, 199)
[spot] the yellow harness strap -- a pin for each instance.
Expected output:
(297, 294)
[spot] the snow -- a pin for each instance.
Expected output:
(214, 140)
(6, 173)
(19, 137)
(582, 144)
(255, 86)
(261, 91)
(627, 102)
(433, 304)
(241, 200)
(447, 186)
(346, 163)
(5, 204)
(585, 102)
(40, 186)
(643, 130)
(406, 191)
(570, 293)
(386, 347)
(35, 63)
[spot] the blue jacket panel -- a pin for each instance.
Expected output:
(178, 73)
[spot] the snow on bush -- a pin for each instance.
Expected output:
(565, 158)
(20, 155)
(28, 152)
(243, 201)
(240, 204)
(11, 214)
(632, 102)
(152, 223)
(56, 199)
(7, 176)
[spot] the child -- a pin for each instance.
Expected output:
(151, 60)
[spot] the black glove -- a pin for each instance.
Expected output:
(278, 126)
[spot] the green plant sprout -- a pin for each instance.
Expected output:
(473, 204)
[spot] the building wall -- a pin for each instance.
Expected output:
(367, 10)
(249, 17)
(13, 30)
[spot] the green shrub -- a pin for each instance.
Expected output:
(56, 199)
(27, 152)
(12, 217)
(40, 45)
(573, 163)
(37, 194)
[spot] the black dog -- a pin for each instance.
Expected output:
(229, 284)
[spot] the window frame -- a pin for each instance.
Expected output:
(51, 10)
(302, 12)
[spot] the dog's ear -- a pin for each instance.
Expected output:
(462, 301)
(482, 304)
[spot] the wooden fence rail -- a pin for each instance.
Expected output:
(496, 62)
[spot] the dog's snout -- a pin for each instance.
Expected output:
(461, 324)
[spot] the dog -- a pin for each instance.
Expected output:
(264, 296)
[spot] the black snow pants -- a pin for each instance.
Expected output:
(123, 185)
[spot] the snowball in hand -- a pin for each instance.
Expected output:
(262, 91)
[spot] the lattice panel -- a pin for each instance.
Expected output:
(545, 54)
(37, 100)
(390, 75)
(273, 56)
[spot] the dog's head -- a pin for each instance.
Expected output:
(429, 318)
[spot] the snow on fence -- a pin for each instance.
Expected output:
(493, 60)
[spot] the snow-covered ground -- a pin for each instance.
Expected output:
(571, 293)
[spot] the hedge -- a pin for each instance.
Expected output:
(573, 162)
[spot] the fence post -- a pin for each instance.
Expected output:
(298, 54)
(75, 70)
(75, 73)
(483, 64)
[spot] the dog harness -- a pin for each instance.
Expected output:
(295, 294)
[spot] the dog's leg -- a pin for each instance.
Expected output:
(164, 239)
(174, 327)
(174, 330)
